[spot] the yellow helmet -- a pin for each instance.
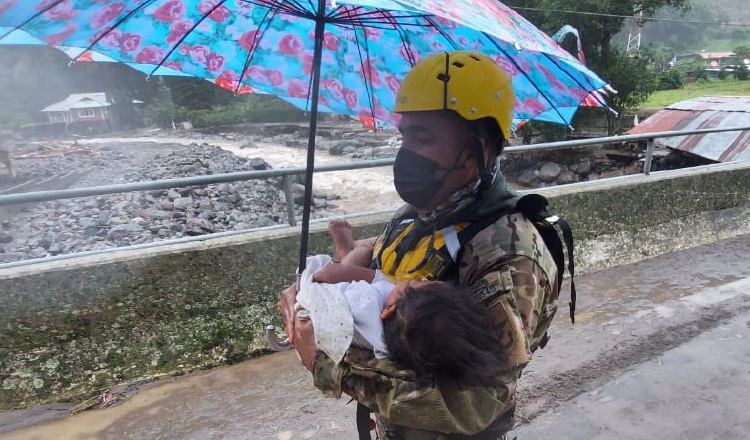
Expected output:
(469, 83)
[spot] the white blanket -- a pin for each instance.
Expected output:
(341, 311)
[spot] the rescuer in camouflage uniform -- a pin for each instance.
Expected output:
(456, 112)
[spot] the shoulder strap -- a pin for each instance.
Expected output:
(534, 207)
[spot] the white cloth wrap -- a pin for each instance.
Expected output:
(338, 311)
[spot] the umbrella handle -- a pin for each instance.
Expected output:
(272, 341)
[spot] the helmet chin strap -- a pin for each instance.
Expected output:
(485, 175)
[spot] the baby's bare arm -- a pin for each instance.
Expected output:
(340, 273)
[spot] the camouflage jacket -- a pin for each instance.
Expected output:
(509, 266)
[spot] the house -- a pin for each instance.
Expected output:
(717, 60)
(89, 112)
(703, 113)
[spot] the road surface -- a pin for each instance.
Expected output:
(660, 349)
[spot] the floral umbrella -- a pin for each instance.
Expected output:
(17, 37)
(344, 57)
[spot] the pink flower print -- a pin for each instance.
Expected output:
(350, 97)
(109, 39)
(214, 62)
(249, 40)
(533, 106)
(170, 11)
(551, 79)
(297, 88)
(330, 42)
(506, 65)
(178, 29)
(392, 82)
(7, 5)
(228, 80)
(372, 33)
(371, 74)
(60, 37)
(463, 42)
(290, 45)
(409, 54)
(307, 62)
(255, 73)
(333, 86)
(176, 65)
(199, 54)
(130, 42)
(45, 4)
(62, 11)
(437, 46)
(245, 90)
(444, 22)
(150, 55)
(275, 77)
(106, 14)
(218, 15)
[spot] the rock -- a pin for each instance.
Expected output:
(6, 238)
(566, 177)
(248, 144)
(527, 178)
(120, 232)
(583, 168)
(258, 163)
(183, 203)
(549, 172)
(342, 147)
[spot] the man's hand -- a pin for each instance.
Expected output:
(286, 308)
(304, 342)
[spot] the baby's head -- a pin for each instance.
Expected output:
(440, 331)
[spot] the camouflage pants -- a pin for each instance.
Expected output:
(496, 431)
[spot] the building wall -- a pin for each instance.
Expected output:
(70, 327)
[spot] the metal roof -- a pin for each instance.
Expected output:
(702, 113)
(79, 100)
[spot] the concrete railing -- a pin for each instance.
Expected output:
(71, 326)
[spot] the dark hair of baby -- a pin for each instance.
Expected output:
(442, 332)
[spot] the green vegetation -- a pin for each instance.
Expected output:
(247, 108)
(728, 86)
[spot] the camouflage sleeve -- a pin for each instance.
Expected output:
(393, 395)
(509, 267)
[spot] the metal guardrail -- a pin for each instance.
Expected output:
(286, 173)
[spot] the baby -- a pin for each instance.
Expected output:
(433, 328)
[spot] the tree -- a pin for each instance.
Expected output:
(163, 108)
(629, 76)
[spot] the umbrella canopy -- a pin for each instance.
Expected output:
(345, 57)
(18, 37)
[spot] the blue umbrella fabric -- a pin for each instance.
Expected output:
(345, 57)
(17, 37)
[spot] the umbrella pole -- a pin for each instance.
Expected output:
(307, 205)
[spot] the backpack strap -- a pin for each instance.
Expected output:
(534, 207)
(363, 422)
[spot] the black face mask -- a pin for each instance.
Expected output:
(414, 178)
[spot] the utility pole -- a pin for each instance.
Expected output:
(634, 38)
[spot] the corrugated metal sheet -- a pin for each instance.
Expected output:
(703, 113)
(79, 100)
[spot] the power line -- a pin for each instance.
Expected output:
(601, 14)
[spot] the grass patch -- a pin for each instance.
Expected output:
(728, 86)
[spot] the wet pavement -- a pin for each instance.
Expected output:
(659, 350)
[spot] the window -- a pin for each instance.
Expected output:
(59, 117)
(85, 112)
